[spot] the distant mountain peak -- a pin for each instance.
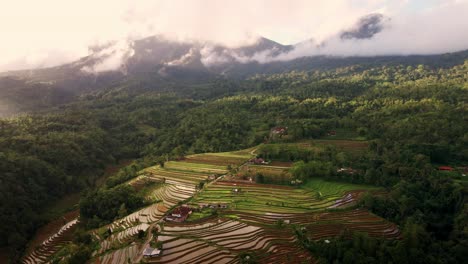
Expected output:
(366, 27)
(263, 44)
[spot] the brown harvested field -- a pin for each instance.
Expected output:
(215, 159)
(349, 145)
(270, 173)
(245, 184)
(265, 170)
(281, 164)
(206, 161)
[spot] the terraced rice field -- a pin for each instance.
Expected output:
(173, 176)
(221, 240)
(171, 194)
(177, 182)
(263, 198)
(277, 173)
(120, 256)
(335, 190)
(331, 224)
(251, 224)
(265, 170)
(44, 251)
(195, 167)
(146, 215)
(349, 146)
(218, 159)
(121, 237)
(57, 230)
(322, 225)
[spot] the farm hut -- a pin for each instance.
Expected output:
(151, 252)
(331, 133)
(280, 130)
(346, 170)
(296, 182)
(212, 177)
(258, 161)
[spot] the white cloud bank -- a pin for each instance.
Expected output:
(51, 32)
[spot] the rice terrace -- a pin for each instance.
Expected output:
(231, 207)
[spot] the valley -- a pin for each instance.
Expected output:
(319, 159)
(230, 220)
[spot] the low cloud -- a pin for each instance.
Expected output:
(435, 31)
(111, 57)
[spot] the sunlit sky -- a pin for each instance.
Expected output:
(50, 32)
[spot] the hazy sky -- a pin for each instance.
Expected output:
(50, 32)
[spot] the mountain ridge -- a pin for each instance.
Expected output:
(160, 61)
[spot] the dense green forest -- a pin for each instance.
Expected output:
(414, 118)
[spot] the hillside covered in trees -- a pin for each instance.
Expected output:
(414, 118)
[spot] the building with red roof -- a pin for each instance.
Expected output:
(179, 214)
(445, 168)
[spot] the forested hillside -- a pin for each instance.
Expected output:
(39, 89)
(414, 118)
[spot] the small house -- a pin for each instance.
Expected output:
(445, 168)
(280, 130)
(203, 205)
(151, 252)
(332, 133)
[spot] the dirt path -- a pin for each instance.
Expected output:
(253, 151)
(149, 237)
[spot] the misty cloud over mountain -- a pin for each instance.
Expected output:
(195, 34)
